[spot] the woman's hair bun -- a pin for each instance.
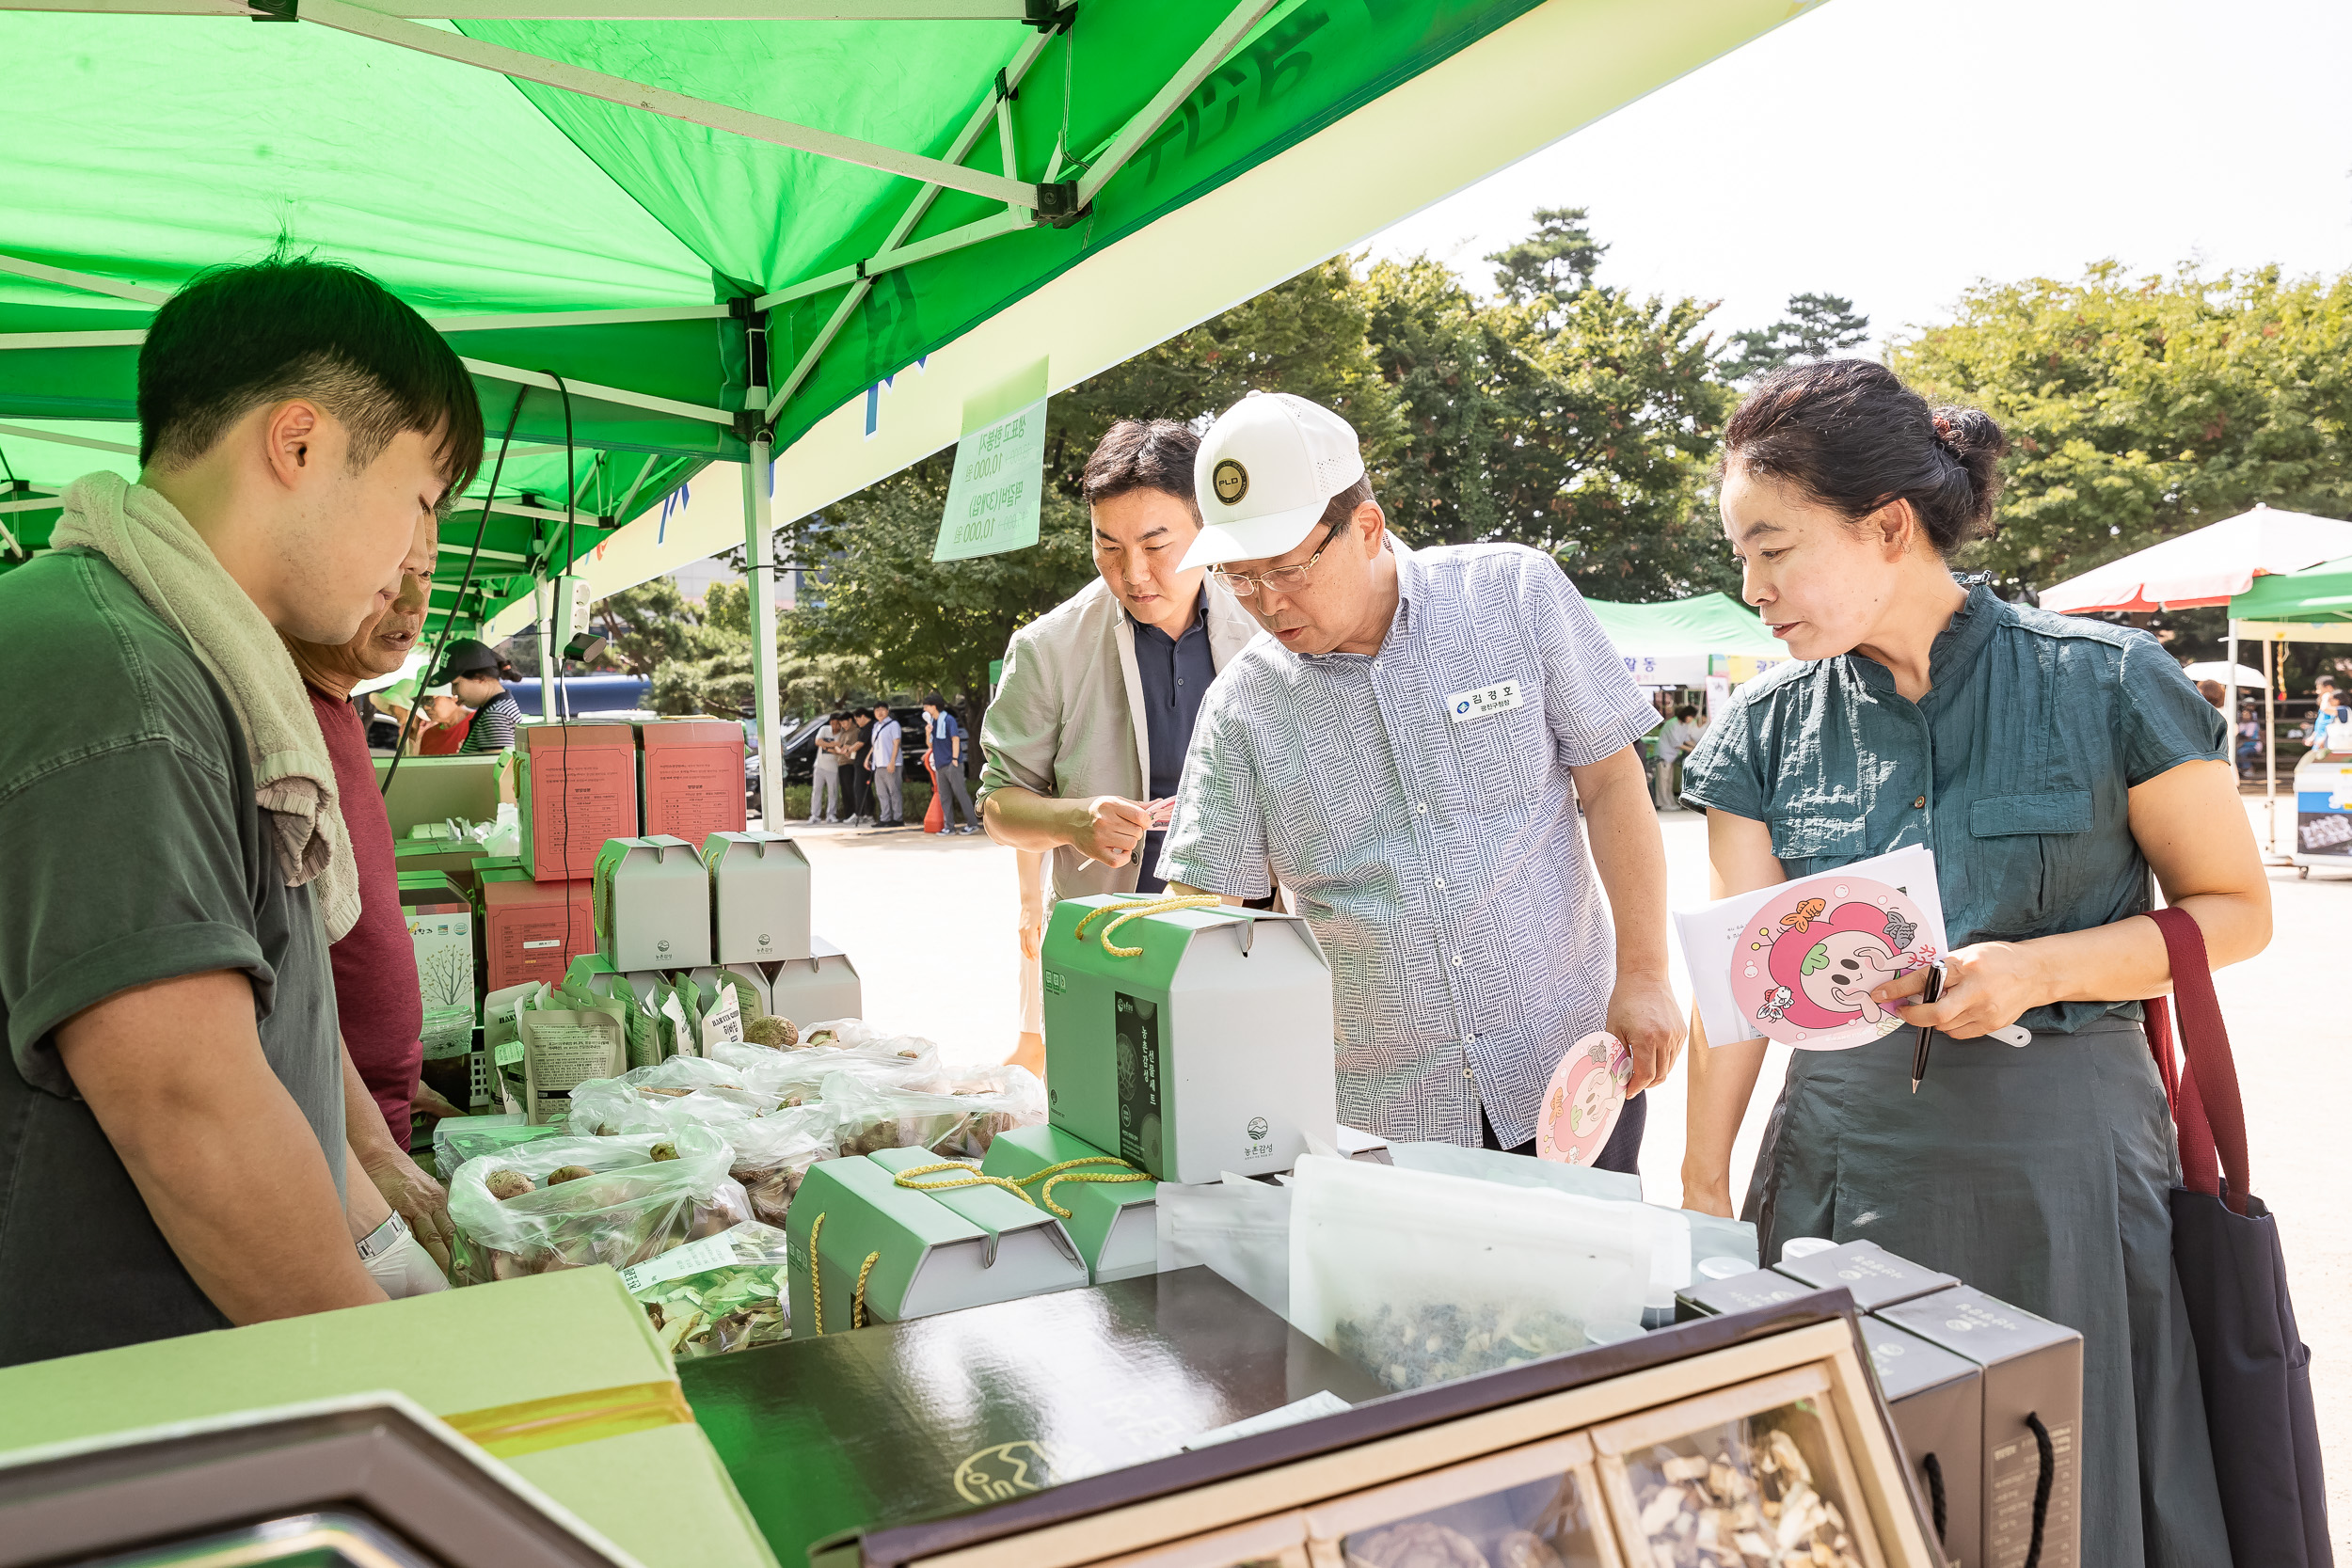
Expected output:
(1850, 434)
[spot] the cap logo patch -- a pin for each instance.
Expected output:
(1230, 479)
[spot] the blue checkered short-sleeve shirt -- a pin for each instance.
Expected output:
(1418, 804)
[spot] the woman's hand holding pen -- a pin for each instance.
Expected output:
(1987, 985)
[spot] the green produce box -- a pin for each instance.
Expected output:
(1207, 1051)
(929, 1251)
(1113, 1223)
(600, 1426)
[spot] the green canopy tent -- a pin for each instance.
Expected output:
(1683, 641)
(2314, 606)
(699, 229)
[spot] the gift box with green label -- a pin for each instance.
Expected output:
(559, 1376)
(903, 1234)
(758, 898)
(1110, 1204)
(1187, 1041)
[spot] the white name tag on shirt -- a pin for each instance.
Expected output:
(1484, 701)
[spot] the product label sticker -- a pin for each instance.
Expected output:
(508, 1053)
(1136, 1025)
(549, 942)
(1582, 1101)
(1485, 701)
(724, 1020)
(711, 1252)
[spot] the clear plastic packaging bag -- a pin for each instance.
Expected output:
(772, 1153)
(725, 1292)
(869, 1115)
(1423, 1278)
(797, 1076)
(619, 1204)
(680, 1091)
(1238, 1226)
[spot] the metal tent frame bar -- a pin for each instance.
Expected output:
(93, 443)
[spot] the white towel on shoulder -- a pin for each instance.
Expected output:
(175, 572)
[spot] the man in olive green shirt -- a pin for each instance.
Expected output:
(172, 1135)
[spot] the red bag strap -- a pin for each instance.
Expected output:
(2207, 1111)
(2159, 1017)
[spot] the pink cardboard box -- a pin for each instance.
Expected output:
(690, 778)
(578, 788)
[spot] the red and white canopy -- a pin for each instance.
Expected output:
(2208, 567)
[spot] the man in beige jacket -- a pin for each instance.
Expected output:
(1094, 711)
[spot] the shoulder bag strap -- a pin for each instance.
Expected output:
(2210, 1115)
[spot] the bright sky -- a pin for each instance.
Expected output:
(1895, 151)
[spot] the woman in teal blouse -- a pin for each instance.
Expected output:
(2051, 764)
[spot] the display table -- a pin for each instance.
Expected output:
(902, 1421)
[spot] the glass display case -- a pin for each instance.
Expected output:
(1755, 1475)
(1753, 1441)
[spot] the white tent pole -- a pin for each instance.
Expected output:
(89, 282)
(29, 433)
(2270, 739)
(514, 63)
(543, 592)
(759, 563)
(602, 394)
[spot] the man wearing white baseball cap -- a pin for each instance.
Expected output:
(1406, 754)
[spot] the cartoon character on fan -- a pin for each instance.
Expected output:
(1828, 962)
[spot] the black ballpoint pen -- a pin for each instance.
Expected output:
(1919, 1051)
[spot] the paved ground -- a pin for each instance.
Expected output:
(931, 924)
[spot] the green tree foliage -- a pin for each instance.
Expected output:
(1580, 426)
(2144, 406)
(1558, 260)
(1818, 326)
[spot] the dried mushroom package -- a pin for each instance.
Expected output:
(1423, 1278)
(723, 1294)
(956, 1126)
(1764, 1491)
(1546, 1524)
(571, 1203)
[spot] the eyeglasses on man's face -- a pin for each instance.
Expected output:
(1280, 580)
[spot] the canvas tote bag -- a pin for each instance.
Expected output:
(2254, 1364)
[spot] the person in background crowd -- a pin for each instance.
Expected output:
(944, 736)
(2216, 693)
(1407, 751)
(857, 763)
(1674, 743)
(442, 721)
(172, 1121)
(1096, 702)
(378, 1004)
(1925, 713)
(889, 782)
(824, 789)
(2250, 743)
(477, 677)
(2331, 716)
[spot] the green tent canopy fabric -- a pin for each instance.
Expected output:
(701, 230)
(1671, 644)
(2321, 594)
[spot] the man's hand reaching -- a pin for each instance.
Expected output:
(414, 1197)
(1644, 1014)
(1107, 829)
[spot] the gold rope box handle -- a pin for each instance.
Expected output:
(1166, 904)
(971, 1176)
(532, 1426)
(817, 1284)
(1068, 1170)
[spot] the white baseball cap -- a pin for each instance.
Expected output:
(1265, 471)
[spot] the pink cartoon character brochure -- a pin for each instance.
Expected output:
(1797, 963)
